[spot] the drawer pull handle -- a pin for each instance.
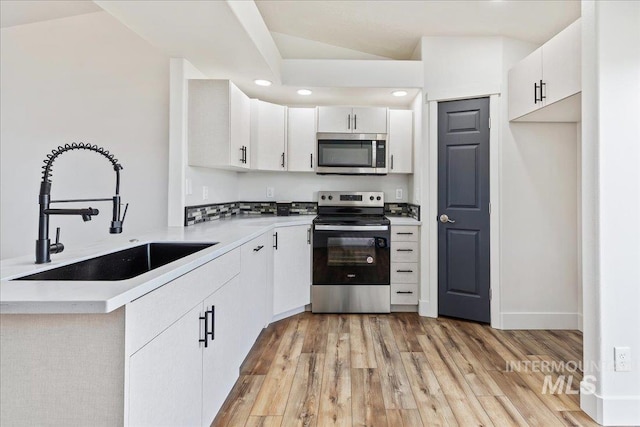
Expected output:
(404, 292)
(258, 248)
(404, 234)
(404, 271)
(404, 250)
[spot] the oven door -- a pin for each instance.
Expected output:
(351, 255)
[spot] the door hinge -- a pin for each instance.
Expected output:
(489, 122)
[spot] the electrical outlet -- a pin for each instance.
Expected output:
(622, 357)
(399, 193)
(270, 192)
(188, 187)
(205, 192)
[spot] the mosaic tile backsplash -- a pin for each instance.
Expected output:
(212, 212)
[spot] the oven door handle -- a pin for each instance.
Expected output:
(320, 227)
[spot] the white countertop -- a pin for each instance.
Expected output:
(106, 296)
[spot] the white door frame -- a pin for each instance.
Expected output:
(429, 275)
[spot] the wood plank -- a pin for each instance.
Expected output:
(264, 350)
(465, 359)
(501, 411)
(338, 323)
(272, 398)
(366, 398)
(335, 396)
(525, 400)
(316, 340)
(432, 404)
(236, 409)
(485, 354)
(362, 352)
(577, 419)
(396, 389)
(302, 407)
(405, 331)
(464, 404)
(404, 418)
(267, 421)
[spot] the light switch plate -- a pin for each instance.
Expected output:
(398, 193)
(205, 192)
(270, 192)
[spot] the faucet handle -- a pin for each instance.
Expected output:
(57, 247)
(116, 224)
(125, 213)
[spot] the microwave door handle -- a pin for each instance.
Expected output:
(349, 121)
(355, 121)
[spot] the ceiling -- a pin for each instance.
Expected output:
(392, 28)
(210, 35)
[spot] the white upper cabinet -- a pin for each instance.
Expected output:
(400, 142)
(219, 125)
(548, 75)
(301, 139)
(268, 136)
(352, 119)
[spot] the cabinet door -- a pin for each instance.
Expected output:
(292, 268)
(561, 64)
(522, 78)
(400, 142)
(239, 127)
(165, 376)
(222, 357)
(370, 120)
(335, 119)
(301, 139)
(254, 273)
(267, 136)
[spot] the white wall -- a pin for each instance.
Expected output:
(84, 78)
(300, 186)
(611, 207)
(536, 290)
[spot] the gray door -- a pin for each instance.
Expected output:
(463, 209)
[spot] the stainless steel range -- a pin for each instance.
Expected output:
(351, 255)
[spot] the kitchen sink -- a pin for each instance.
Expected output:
(123, 264)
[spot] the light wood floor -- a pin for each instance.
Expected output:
(402, 370)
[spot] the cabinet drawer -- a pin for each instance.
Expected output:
(404, 272)
(404, 252)
(404, 293)
(404, 233)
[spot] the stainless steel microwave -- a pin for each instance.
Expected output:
(352, 153)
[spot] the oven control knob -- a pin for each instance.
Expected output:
(381, 243)
(369, 260)
(330, 197)
(371, 198)
(323, 197)
(378, 198)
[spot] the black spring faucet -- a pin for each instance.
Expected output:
(44, 248)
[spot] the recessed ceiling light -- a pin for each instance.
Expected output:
(261, 82)
(304, 92)
(399, 93)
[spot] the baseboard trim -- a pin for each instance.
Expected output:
(612, 411)
(580, 322)
(288, 314)
(540, 320)
(425, 309)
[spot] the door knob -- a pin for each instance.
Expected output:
(444, 218)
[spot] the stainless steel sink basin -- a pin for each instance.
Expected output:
(123, 264)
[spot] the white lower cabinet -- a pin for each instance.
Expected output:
(405, 264)
(165, 377)
(291, 268)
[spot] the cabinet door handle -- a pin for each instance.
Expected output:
(542, 95)
(275, 243)
(241, 154)
(282, 164)
(404, 292)
(349, 121)
(392, 162)
(308, 236)
(404, 233)
(404, 271)
(258, 248)
(213, 323)
(311, 162)
(206, 329)
(355, 122)
(404, 250)
(535, 92)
